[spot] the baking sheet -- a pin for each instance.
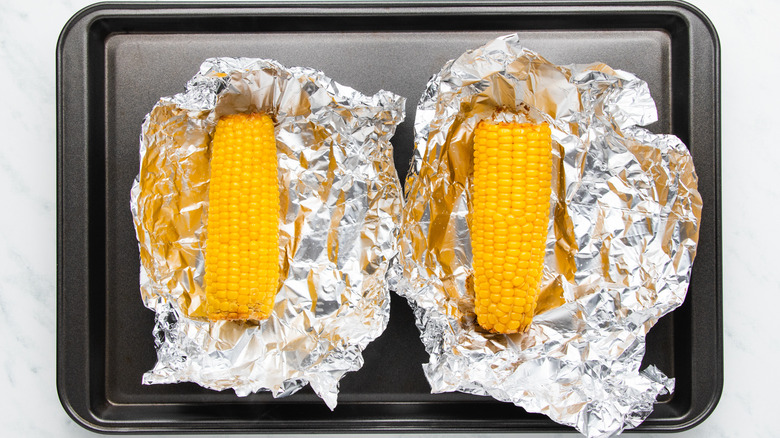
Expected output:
(115, 61)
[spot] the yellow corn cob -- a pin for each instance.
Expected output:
(509, 223)
(242, 250)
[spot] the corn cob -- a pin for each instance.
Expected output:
(509, 223)
(242, 249)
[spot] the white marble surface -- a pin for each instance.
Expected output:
(749, 36)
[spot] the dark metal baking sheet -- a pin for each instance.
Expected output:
(114, 61)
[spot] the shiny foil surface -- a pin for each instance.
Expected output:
(624, 223)
(340, 212)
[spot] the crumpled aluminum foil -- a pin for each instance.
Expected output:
(625, 220)
(341, 203)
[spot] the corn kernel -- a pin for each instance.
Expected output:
(242, 253)
(511, 199)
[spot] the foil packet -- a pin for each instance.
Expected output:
(625, 214)
(340, 210)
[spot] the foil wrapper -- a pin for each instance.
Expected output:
(340, 210)
(625, 215)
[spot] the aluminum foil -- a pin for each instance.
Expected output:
(341, 204)
(624, 223)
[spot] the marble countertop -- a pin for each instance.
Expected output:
(750, 54)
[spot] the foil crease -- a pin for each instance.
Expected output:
(625, 215)
(340, 202)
